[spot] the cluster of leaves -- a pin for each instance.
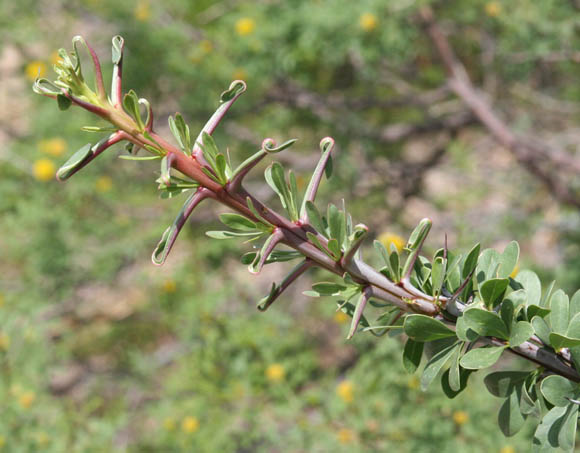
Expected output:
(475, 293)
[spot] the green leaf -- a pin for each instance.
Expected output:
(557, 389)
(209, 148)
(221, 169)
(277, 256)
(568, 426)
(412, 355)
(470, 261)
(463, 377)
(334, 248)
(492, 291)
(454, 376)
(117, 50)
(436, 363)
(503, 383)
(521, 332)
(542, 329)
(463, 332)
(510, 418)
(487, 265)
(275, 178)
(231, 234)
(380, 248)
(254, 211)
(506, 313)
(424, 328)
(509, 259)
(453, 273)
(438, 274)
(131, 105)
(312, 238)
(531, 283)
(75, 161)
(315, 218)
(328, 288)
(237, 222)
(545, 301)
(63, 102)
(180, 131)
(575, 304)
(419, 234)
(546, 436)
(558, 341)
(393, 263)
(294, 196)
(336, 224)
(165, 170)
(559, 315)
(574, 327)
(479, 358)
(485, 323)
(529, 405)
(141, 157)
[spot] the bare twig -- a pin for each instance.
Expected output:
(532, 154)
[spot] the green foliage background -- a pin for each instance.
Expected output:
(101, 351)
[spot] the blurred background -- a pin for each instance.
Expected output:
(101, 351)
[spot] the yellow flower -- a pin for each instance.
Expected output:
(26, 399)
(169, 424)
(245, 26)
(55, 57)
(44, 169)
(142, 11)
(413, 383)
(53, 146)
(275, 372)
(460, 417)
(368, 22)
(4, 342)
(493, 9)
(515, 271)
(346, 436)
(190, 424)
(103, 184)
(35, 69)
(169, 286)
(340, 317)
(240, 74)
(206, 45)
(2, 441)
(507, 449)
(41, 438)
(345, 391)
(2, 300)
(388, 238)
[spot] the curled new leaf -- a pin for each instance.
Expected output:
(236, 88)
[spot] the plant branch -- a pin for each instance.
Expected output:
(531, 156)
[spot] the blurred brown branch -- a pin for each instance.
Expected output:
(537, 157)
